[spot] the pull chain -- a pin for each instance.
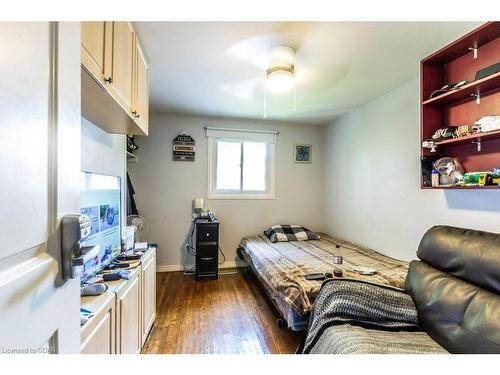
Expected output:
(295, 99)
(265, 101)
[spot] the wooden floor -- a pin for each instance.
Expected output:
(228, 315)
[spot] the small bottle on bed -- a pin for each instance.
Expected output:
(337, 262)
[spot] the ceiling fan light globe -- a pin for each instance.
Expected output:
(280, 81)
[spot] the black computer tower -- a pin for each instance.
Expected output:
(206, 237)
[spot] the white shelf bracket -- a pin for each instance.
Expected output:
(474, 51)
(478, 144)
(477, 96)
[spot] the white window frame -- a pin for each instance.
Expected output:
(213, 193)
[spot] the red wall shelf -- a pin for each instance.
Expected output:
(491, 187)
(469, 138)
(482, 87)
(452, 64)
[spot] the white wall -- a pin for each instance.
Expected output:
(372, 180)
(165, 189)
(104, 153)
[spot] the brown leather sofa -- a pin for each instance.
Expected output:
(451, 302)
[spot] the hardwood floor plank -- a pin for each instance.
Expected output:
(228, 315)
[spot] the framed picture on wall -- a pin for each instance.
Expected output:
(302, 153)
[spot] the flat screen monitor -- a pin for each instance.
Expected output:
(100, 199)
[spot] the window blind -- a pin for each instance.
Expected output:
(267, 136)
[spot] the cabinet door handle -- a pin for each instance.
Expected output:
(108, 79)
(136, 115)
(202, 258)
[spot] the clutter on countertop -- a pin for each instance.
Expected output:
(85, 315)
(141, 246)
(94, 289)
(128, 257)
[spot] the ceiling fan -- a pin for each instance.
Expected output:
(281, 61)
(274, 55)
(277, 77)
(280, 74)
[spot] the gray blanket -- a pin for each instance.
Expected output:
(353, 316)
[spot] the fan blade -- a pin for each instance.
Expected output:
(254, 50)
(247, 89)
(327, 72)
(295, 33)
(316, 79)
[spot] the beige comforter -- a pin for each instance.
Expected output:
(283, 265)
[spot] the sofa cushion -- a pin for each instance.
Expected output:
(352, 339)
(458, 315)
(470, 255)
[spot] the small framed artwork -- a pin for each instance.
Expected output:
(302, 153)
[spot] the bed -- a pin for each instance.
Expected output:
(281, 267)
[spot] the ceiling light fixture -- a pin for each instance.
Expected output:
(280, 79)
(280, 75)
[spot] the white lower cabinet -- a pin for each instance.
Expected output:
(128, 313)
(98, 334)
(124, 315)
(148, 294)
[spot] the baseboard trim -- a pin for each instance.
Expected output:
(178, 267)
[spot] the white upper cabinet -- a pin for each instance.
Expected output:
(115, 78)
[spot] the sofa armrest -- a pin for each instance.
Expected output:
(351, 299)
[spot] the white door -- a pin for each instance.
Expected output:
(39, 183)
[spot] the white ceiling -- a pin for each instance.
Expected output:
(198, 67)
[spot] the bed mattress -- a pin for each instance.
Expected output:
(281, 267)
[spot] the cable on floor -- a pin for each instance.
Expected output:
(223, 255)
(189, 250)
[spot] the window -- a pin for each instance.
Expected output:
(240, 168)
